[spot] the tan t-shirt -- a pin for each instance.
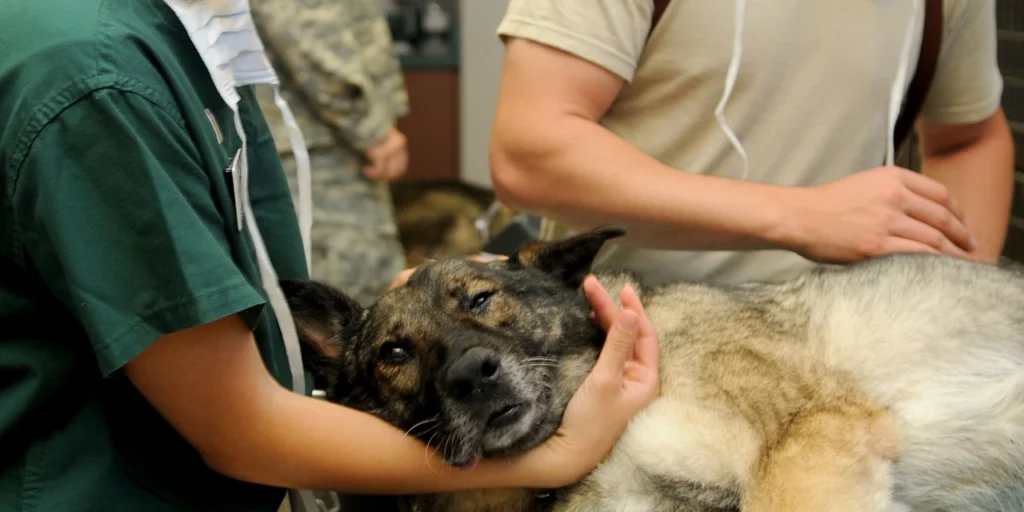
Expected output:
(810, 104)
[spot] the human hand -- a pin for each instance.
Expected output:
(624, 381)
(389, 157)
(403, 276)
(876, 212)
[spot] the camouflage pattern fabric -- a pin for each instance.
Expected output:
(346, 89)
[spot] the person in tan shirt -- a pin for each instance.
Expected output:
(601, 119)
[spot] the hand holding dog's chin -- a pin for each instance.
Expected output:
(623, 382)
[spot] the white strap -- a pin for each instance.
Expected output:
(303, 175)
(301, 500)
(730, 82)
(236, 186)
(267, 275)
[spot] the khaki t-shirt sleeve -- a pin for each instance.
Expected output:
(608, 33)
(967, 87)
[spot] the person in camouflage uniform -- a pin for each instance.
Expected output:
(339, 75)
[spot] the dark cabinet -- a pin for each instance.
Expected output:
(431, 126)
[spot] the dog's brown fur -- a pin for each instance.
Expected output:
(886, 385)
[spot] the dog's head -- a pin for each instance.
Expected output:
(476, 359)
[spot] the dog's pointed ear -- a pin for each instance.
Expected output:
(568, 259)
(321, 314)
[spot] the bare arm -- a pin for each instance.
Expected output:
(211, 385)
(549, 155)
(975, 162)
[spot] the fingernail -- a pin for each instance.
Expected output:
(973, 242)
(628, 321)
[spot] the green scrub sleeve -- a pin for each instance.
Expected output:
(118, 217)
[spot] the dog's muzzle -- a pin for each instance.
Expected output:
(476, 379)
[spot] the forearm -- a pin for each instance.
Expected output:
(979, 176)
(576, 172)
(312, 444)
(212, 385)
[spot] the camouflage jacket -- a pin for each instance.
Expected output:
(337, 69)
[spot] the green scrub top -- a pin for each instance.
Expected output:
(117, 226)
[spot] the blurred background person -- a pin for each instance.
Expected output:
(345, 86)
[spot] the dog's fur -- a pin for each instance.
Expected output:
(888, 385)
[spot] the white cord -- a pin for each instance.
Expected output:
(730, 82)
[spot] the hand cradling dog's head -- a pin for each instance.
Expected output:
(476, 359)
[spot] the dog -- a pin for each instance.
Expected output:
(892, 384)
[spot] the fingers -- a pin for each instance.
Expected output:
(487, 259)
(631, 335)
(605, 309)
(646, 351)
(401, 278)
(398, 164)
(618, 346)
(630, 299)
(374, 171)
(946, 228)
(378, 156)
(387, 168)
(383, 168)
(933, 191)
(896, 245)
(389, 158)
(923, 238)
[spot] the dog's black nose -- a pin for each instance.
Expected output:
(473, 374)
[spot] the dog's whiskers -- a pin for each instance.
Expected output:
(536, 365)
(424, 422)
(444, 449)
(426, 453)
(429, 429)
(547, 359)
(540, 362)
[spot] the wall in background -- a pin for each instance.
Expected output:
(431, 78)
(480, 60)
(1010, 16)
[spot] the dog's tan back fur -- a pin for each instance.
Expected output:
(806, 396)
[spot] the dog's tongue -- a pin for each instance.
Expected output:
(470, 464)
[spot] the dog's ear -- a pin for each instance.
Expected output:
(321, 314)
(568, 259)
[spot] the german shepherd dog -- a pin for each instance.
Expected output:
(893, 384)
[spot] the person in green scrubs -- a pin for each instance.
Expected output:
(141, 367)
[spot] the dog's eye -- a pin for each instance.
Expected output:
(477, 303)
(395, 352)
